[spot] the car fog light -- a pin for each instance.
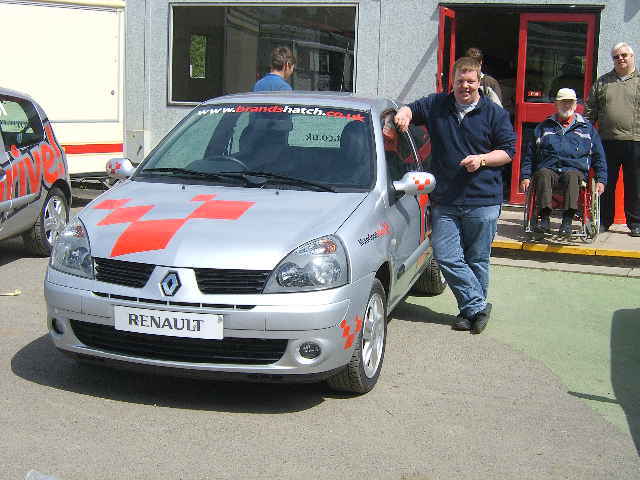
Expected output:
(309, 350)
(57, 326)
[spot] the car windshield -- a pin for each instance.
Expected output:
(288, 146)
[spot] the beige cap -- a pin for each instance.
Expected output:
(566, 94)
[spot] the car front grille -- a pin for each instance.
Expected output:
(211, 281)
(128, 274)
(218, 281)
(248, 351)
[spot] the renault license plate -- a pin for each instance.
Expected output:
(173, 324)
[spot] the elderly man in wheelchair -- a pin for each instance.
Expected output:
(555, 171)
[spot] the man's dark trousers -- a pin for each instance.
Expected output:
(627, 154)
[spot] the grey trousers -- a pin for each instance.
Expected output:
(568, 182)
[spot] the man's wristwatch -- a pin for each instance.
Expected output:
(483, 162)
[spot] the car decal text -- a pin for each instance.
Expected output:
(31, 166)
(283, 109)
(383, 229)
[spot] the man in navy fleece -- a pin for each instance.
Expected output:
(471, 139)
(282, 65)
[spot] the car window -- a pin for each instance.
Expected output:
(319, 144)
(397, 149)
(20, 123)
(422, 141)
(189, 145)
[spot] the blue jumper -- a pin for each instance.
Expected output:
(271, 82)
(484, 129)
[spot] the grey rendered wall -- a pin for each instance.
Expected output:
(397, 48)
(620, 22)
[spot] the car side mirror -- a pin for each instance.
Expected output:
(120, 168)
(415, 183)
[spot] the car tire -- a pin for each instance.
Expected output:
(51, 221)
(363, 370)
(431, 281)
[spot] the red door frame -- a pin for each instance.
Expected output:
(446, 13)
(536, 112)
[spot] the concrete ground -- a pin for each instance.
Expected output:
(550, 390)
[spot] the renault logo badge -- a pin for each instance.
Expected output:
(170, 284)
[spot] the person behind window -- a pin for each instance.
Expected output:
(490, 86)
(564, 147)
(471, 139)
(614, 102)
(282, 65)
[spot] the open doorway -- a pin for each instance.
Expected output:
(496, 35)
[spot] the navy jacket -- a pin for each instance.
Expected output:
(576, 149)
(484, 129)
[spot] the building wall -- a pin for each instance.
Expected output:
(396, 53)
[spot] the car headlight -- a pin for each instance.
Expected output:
(71, 251)
(316, 265)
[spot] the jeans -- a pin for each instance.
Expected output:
(461, 239)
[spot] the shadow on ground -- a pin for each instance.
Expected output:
(418, 313)
(625, 366)
(41, 363)
(625, 369)
(13, 249)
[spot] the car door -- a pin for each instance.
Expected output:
(21, 129)
(404, 210)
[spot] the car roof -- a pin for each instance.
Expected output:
(335, 99)
(14, 93)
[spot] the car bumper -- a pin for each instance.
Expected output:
(81, 324)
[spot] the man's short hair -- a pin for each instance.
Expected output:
(280, 56)
(466, 64)
(475, 52)
(620, 45)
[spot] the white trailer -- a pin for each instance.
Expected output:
(68, 55)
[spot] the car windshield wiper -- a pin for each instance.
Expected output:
(271, 177)
(193, 173)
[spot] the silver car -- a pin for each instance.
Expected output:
(35, 191)
(267, 237)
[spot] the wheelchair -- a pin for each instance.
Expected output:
(588, 212)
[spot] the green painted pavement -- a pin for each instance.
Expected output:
(585, 328)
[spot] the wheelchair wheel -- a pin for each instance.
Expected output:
(592, 217)
(529, 211)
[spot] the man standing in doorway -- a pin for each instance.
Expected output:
(614, 102)
(485, 80)
(282, 65)
(471, 139)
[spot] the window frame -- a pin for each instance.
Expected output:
(38, 128)
(222, 4)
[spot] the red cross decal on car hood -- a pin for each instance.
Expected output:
(145, 235)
